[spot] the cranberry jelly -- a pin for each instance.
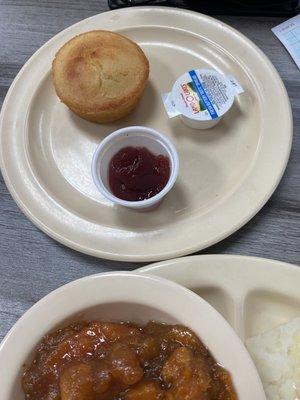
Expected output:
(137, 174)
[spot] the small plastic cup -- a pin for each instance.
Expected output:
(202, 97)
(135, 136)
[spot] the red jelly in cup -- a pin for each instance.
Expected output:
(136, 174)
(135, 167)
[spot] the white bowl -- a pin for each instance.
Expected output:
(136, 136)
(129, 297)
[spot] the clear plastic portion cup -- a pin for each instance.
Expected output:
(135, 136)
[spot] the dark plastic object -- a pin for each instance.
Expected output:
(225, 7)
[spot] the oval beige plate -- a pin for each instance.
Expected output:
(253, 294)
(226, 173)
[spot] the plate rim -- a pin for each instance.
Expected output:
(64, 239)
(220, 257)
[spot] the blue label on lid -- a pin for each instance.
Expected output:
(203, 95)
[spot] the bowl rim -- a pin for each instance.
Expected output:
(133, 131)
(50, 310)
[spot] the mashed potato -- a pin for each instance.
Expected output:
(276, 354)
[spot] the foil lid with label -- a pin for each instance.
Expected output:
(201, 97)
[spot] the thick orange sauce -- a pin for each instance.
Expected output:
(121, 361)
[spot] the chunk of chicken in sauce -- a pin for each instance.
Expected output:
(122, 361)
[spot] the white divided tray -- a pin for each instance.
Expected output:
(253, 294)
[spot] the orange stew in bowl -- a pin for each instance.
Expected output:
(122, 361)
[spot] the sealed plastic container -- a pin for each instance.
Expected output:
(201, 97)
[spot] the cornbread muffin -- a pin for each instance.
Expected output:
(100, 75)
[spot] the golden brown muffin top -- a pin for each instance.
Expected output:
(99, 70)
